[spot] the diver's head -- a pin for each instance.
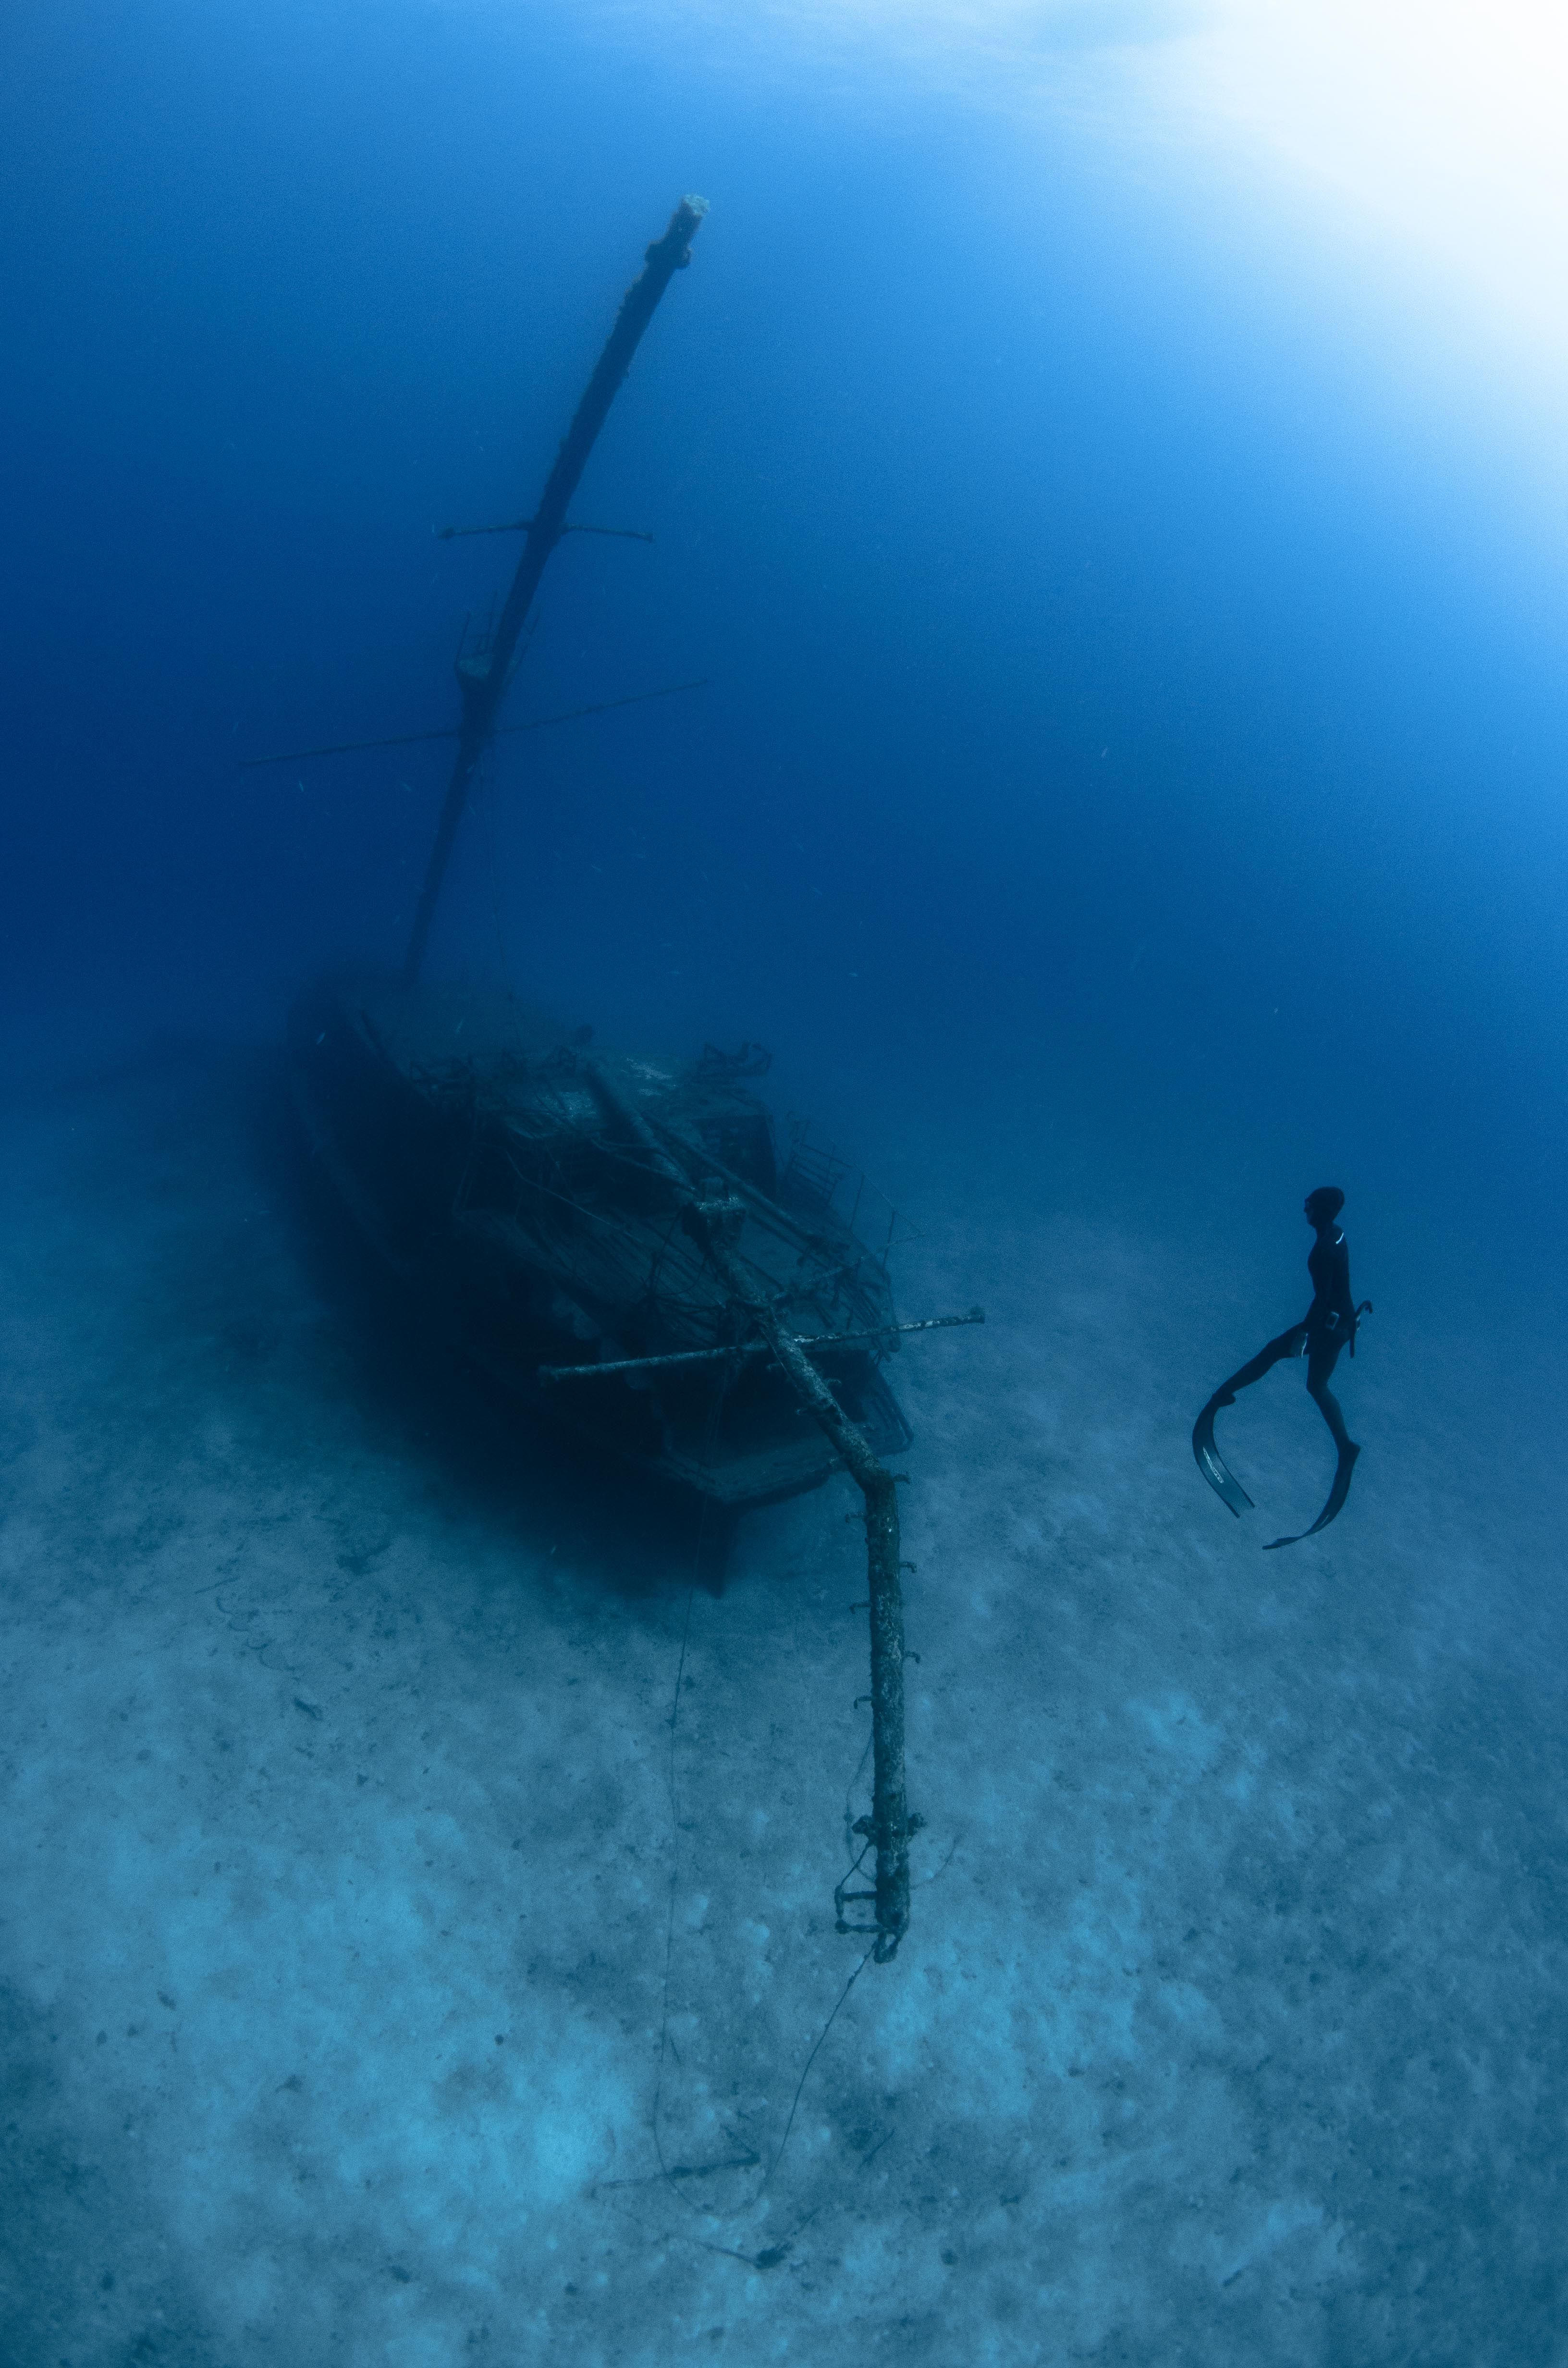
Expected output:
(1322, 1207)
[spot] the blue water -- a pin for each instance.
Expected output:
(1074, 593)
(1127, 791)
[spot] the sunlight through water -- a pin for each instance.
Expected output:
(1433, 130)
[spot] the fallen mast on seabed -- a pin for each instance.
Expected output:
(890, 1823)
(715, 1221)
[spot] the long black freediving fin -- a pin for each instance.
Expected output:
(1212, 1464)
(1335, 1505)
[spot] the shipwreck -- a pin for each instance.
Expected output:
(621, 1244)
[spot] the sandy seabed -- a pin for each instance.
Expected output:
(342, 1827)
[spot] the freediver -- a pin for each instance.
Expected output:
(1329, 1325)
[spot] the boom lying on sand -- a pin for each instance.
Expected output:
(618, 1241)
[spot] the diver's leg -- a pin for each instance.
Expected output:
(1321, 1357)
(1289, 1344)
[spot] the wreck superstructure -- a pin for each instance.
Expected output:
(530, 1188)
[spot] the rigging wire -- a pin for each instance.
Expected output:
(670, 1920)
(452, 732)
(698, 1550)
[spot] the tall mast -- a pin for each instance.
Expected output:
(483, 683)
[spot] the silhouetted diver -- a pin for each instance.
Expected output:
(1328, 1325)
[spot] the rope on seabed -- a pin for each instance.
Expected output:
(810, 2059)
(669, 2176)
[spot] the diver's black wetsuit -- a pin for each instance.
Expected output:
(1328, 1325)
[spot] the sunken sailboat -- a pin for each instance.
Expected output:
(620, 1242)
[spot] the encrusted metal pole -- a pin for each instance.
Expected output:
(485, 686)
(612, 1366)
(714, 1224)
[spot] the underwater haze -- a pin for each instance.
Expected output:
(1105, 472)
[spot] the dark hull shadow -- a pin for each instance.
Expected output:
(432, 1409)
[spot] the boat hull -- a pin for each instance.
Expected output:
(512, 1183)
